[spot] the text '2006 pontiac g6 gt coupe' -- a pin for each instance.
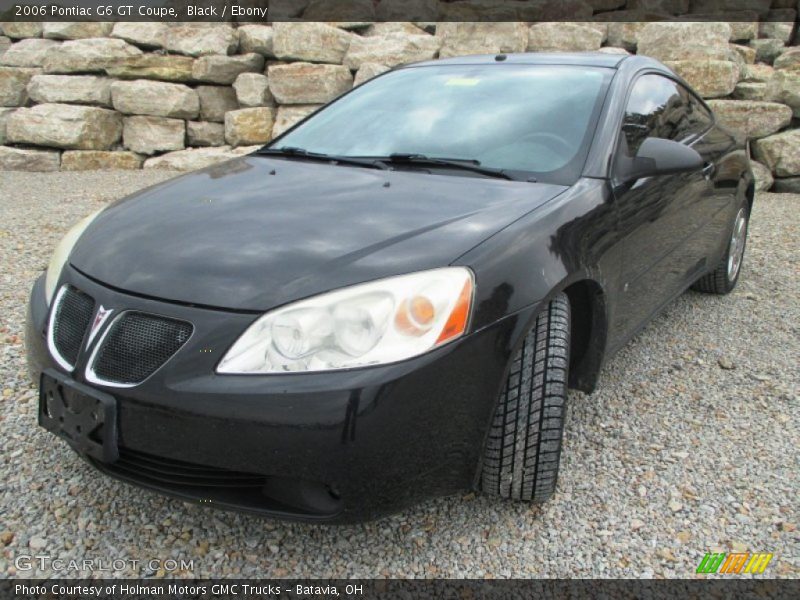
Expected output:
(390, 301)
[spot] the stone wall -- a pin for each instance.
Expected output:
(79, 96)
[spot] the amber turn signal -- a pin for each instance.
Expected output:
(457, 323)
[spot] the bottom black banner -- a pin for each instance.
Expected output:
(230, 589)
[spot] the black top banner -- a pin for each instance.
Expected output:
(369, 589)
(356, 11)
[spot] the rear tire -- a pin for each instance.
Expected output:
(723, 279)
(523, 451)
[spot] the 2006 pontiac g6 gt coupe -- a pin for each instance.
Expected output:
(390, 301)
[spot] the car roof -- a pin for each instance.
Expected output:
(587, 59)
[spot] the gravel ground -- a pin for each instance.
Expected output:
(690, 445)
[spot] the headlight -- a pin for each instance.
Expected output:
(61, 255)
(370, 324)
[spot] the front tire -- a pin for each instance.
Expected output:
(723, 279)
(523, 451)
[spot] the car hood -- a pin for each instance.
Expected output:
(257, 232)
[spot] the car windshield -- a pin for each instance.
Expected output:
(524, 118)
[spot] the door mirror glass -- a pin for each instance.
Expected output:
(657, 156)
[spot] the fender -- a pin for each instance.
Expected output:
(574, 236)
(569, 244)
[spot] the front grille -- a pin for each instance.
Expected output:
(160, 470)
(74, 312)
(137, 345)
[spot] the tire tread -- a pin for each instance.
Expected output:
(523, 450)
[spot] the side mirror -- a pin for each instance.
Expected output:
(660, 157)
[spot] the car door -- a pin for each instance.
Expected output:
(725, 157)
(658, 216)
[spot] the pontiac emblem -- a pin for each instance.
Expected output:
(100, 318)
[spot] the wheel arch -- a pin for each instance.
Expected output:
(589, 329)
(750, 194)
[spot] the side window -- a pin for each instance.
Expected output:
(701, 120)
(657, 107)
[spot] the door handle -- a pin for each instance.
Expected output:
(709, 169)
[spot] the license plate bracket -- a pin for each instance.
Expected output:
(86, 418)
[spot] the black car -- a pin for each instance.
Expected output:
(389, 301)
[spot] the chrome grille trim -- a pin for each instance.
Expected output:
(90, 373)
(55, 309)
(51, 342)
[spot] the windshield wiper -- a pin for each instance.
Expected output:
(384, 162)
(291, 151)
(464, 164)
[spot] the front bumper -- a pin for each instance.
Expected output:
(337, 446)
